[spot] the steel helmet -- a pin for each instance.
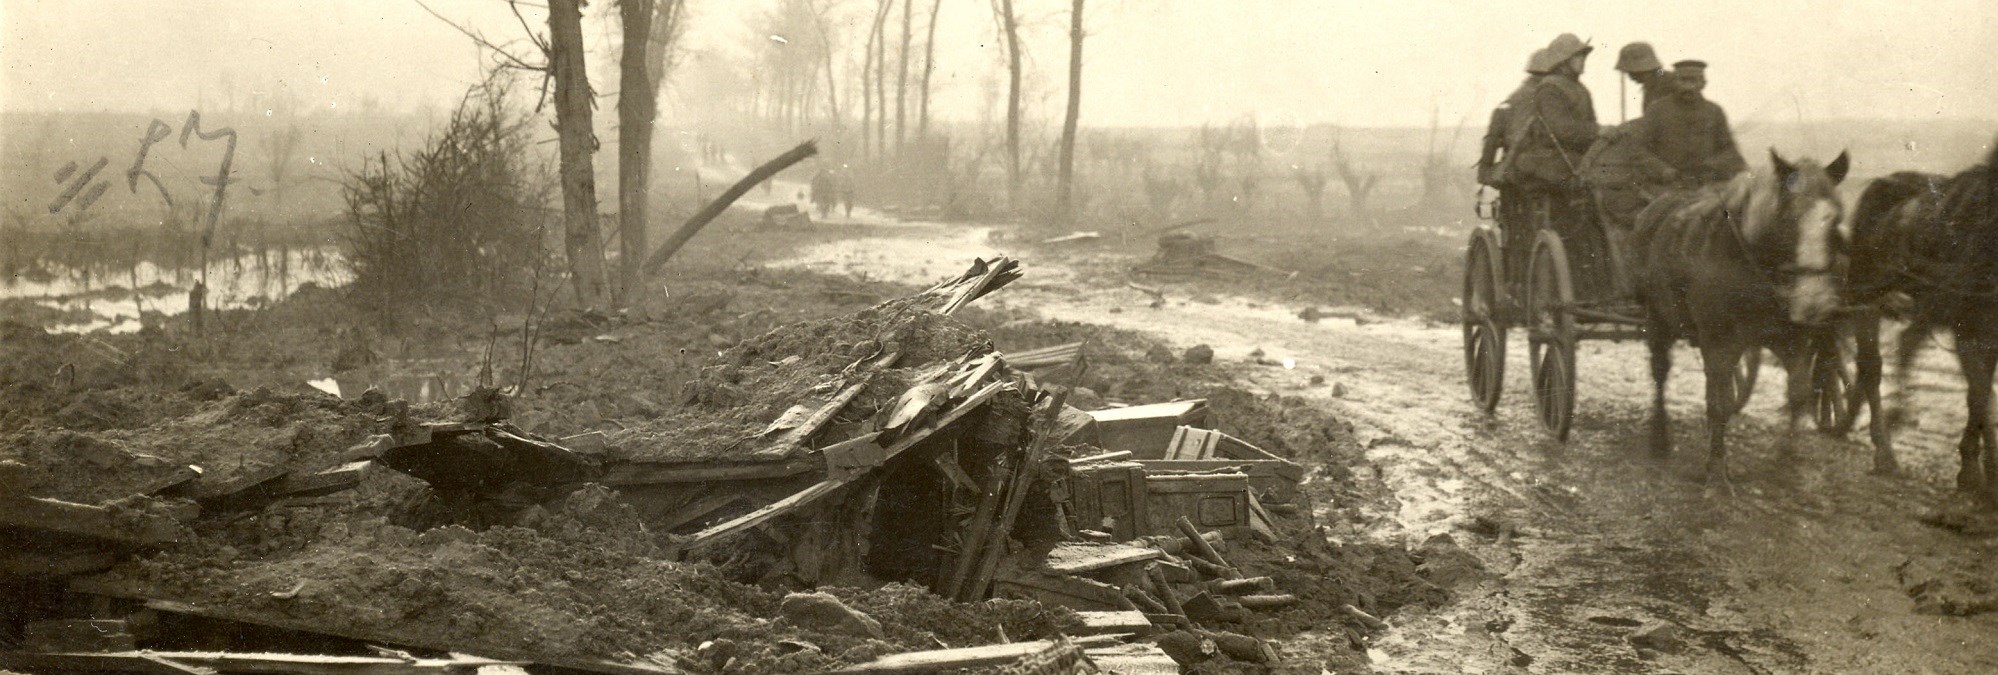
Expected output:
(1539, 64)
(1637, 57)
(1566, 46)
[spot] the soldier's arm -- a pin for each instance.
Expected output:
(1644, 144)
(1726, 160)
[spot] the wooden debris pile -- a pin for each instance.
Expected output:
(898, 449)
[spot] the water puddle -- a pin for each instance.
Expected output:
(94, 298)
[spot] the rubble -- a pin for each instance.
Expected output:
(896, 450)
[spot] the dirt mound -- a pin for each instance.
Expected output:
(230, 438)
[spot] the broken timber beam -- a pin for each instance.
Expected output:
(821, 489)
(86, 520)
(657, 473)
(953, 659)
(1016, 496)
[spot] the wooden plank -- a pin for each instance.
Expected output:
(1079, 557)
(243, 662)
(85, 520)
(660, 473)
(1224, 482)
(82, 585)
(336, 479)
(1191, 443)
(1133, 659)
(973, 545)
(694, 510)
(213, 490)
(821, 489)
(1054, 589)
(1034, 359)
(795, 439)
(951, 659)
(37, 561)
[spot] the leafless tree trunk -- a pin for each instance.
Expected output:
(1359, 184)
(867, 80)
(819, 20)
(641, 68)
(281, 148)
(902, 77)
(929, 65)
(881, 76)
(573, 103)
(1311, 181)
(1011, 29)
(1065, 191)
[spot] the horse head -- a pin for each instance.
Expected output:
(1792, 224)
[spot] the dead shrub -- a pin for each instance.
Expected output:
(459, 221)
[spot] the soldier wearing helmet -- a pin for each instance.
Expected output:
(1489, 160)
(1557, 122)
(1637, 61)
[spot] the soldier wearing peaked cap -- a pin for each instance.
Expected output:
(1685, 137)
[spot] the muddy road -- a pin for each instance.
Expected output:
(1597, 557)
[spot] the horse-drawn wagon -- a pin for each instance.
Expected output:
(1560, 274)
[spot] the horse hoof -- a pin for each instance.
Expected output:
(1886, 467)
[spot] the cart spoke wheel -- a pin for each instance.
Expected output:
(1550, 298)
(1484, 334)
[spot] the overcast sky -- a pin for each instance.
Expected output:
(1149, 62)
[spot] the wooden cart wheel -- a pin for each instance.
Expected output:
(1484, 333)
(1550, 299)
(1745, 372)
(1831, 378)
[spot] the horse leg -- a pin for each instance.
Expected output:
(1976, 355)
(1866, 358)
(1799, 382)
(1720, 354)
(1660, 341)
(1905, 349)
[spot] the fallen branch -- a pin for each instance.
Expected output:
(724, 200)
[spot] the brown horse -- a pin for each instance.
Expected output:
(1925, 249)
(1744, 264)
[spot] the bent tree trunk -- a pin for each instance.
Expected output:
(581, 241)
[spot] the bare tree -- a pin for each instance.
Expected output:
(902, 76)
(1065, 192)
(1160, 191)
(1359, 184)
(1010, 30)
(650, 31)
(563, 65)
(868, 77)
(1311, 181)
(821, 17)
(582, 241)
(929, 66)
(1440, 177)
(280, 147)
